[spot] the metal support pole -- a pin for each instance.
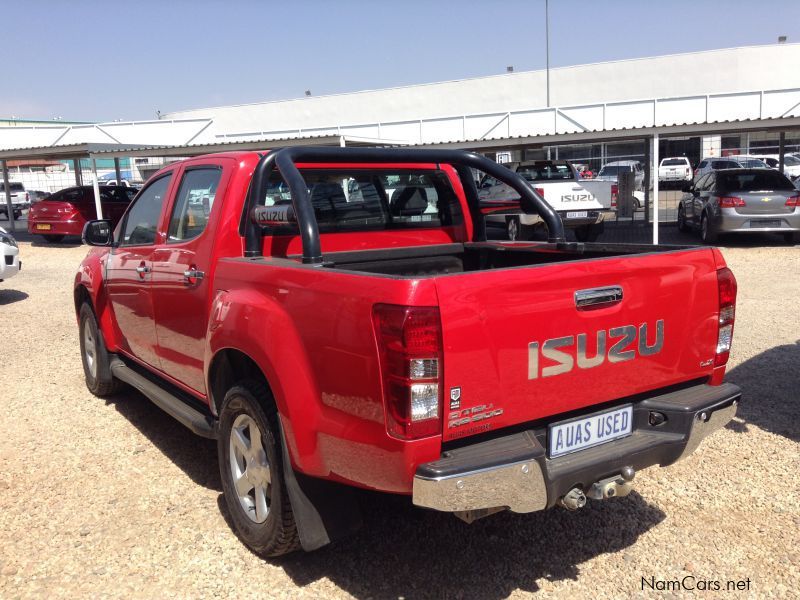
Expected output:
(117, 172)
(97, 206)
(76, 164)
(9, 204)
(547, 43)
(648, 177)
(781, 150)
(654, 167)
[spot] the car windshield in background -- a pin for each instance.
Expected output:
(726, 164)
(14, 187)
(671, 162)
(614, 170)
(761, 181)
(545, 171)
(791, 161)
(354, 199)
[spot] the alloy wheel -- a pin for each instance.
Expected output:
(250, 469)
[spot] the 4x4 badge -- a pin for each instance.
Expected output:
(455, 398)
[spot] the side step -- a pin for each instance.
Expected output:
(195, 420)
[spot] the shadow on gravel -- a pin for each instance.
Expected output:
(770, 391)
(196, 456)
(405, 551)
(11, 296)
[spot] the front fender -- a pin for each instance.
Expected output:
(89, 282)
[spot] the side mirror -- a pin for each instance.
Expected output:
(98, 233)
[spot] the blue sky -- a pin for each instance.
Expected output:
(86, 60)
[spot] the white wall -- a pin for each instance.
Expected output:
(773, 67)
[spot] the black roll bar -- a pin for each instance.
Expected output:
(284, 160)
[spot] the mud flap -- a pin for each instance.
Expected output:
(324, 511)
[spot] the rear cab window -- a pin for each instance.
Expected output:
(763, 180)
(346, 199)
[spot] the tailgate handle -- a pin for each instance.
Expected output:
(596, 297)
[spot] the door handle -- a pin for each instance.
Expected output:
(597, 297)
(192, 275)
(142, 270)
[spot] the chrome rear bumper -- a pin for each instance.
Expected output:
(514, 471)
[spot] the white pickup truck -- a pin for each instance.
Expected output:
(579, 202)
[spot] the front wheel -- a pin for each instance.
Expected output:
(251, 469)
(516, 231)
(94, 356)
(682, 225)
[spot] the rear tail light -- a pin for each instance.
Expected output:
(614, 194)
(539, 191)
(726, 284)
(695, 173)
(730, 202)
(793, 202)
(410, 347)
(27, 197)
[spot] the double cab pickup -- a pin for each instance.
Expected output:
(337, 319)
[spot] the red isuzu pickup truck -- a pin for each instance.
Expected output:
(336, 318)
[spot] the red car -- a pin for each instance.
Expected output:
(66, 212)
(337, 318)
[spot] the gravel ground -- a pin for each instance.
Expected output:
(114, 499)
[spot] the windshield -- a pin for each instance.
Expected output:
(752, 163)
(669, 162)
(791, 161)
(760, 181)
(726, 164)
(545, 171)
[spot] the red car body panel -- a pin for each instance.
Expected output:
(67, 217)
(317, 348)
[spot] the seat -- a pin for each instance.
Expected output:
(409, 201)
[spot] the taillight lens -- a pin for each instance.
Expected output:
(731, 202)
(410, 346)
(614, 194)
(539, 191)
(793, 201)
(726, 283)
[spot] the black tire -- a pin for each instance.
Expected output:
(706, 234)
(589, 233)
(682, 224)
(277, 534)
(516, 231)
(97, 374)
(53, 239)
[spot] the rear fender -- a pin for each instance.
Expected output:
(257, 326)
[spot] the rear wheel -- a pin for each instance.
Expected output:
(53, 239)
(706, 234)
(251, 468)
(94, 356)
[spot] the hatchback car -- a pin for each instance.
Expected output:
(65, 212)
(611, 171)
(741, 201)
(714, 164)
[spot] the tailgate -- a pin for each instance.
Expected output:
(511, 336)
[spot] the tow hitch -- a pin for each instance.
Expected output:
(616, 486)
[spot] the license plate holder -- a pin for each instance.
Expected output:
(577, 214)
(759, 223)
(43, 227)
(581, 433)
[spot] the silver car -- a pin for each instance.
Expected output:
(741, 201)
(611, 171)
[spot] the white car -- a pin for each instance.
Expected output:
(611, 171)
(10, 263)
(20, 199)
(675, 168)
(579, 202)
(791, 163)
